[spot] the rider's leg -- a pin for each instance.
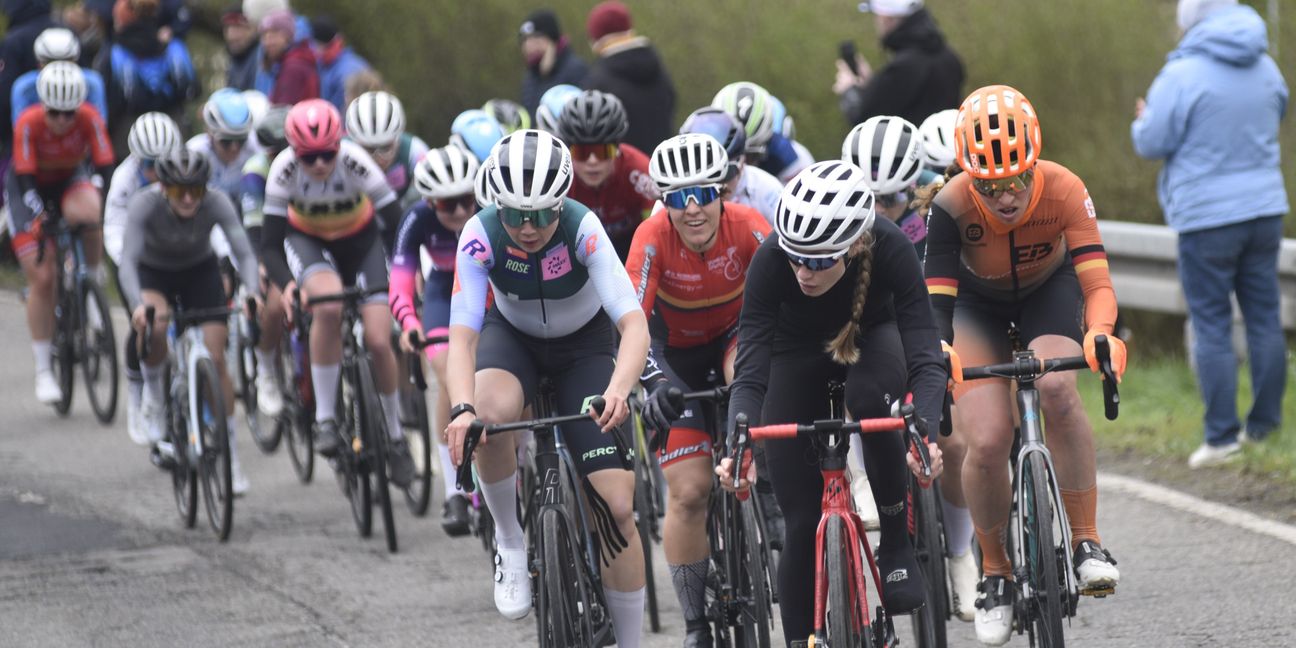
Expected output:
(82, 205)
(498, 398)
(377, 334)
(151, 365)
(684, 535)
(40, 300)
(441, 417)
(1070, 440)
(954, 508)
(325, 339)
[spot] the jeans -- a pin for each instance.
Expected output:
(1240, 259)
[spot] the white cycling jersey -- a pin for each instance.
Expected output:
(760, 190)
(126, 180)
(339, 206)
(225, 177)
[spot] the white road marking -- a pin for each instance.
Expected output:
(1189, 504)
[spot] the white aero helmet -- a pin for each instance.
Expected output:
(889, 149)
(445, 172)
(153, 136)
(824, 209)
(258, 104)
(57, 44)
(227, 114)
(375, 119)
(530, 169)
(938, 138)
(61, 86)
(481, 184)
(689, 160)
(750, 104)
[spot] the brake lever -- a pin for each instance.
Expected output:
(1111, 393)
(463, 476)
(916, 440)
(738, 445)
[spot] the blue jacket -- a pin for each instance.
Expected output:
(24, 93)
(333, 76)
(27, 19)
(1213, 113)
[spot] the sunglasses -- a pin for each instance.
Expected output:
(382, 151)
(815, 264)
(582, 152)
(892, 199)
(449, 205)
(60, 114)
(310, 159)
(230, 142)
(179, 192)
(995, 188)
(703, 196)
(540, 218)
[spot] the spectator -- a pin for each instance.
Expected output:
(241, 47)
(27, 19)
(923, 76)
(338, 62)
(630, 68)
(173, 17)
(548, 57)
(1212, 114)
(287, 72)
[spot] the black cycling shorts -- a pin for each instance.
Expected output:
(579, 365)
(198, 287)
(691, 434)
(1055, 307)
(358, 259)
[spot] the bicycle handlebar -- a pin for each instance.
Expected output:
(477, 428)
(1031, 368)
(350, 295)
(677, 398)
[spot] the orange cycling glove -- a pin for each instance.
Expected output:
(955, 365)
(1117, 353)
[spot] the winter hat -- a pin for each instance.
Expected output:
(541, 22)
(256, 10)
(279, 20)
(234, 15)
(1192, 12)
(323, 29)
(893, 8)
(608, 17)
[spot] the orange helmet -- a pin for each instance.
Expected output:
(997, 134)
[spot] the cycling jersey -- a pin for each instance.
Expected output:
(546, 294)
(420, 229)
(971, 248)
(694, 297)
(252, 189)
(24, 94)
(400, 175)
(54, 159)
(914, 226)
(624, 200)
(225, 177)
(759, 190)
(784, 158)
(126, 180)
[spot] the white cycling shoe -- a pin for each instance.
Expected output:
(963, 580)
(512, 583)
(1096, 571)
(994, 614)
(269, 398)
(47, 388)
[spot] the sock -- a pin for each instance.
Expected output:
(994, 556)
(229, 425)
(690, 588)
(265, 359)
(325, 379)
(627, 610)
(391, 409)
(1082, 512)
(448, 474)
(501, 499)
(134, 389)
(958, 527)
(43, 352)
(153, 382)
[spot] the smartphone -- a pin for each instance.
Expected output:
(847, 53)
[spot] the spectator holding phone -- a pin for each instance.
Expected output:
(924, 75)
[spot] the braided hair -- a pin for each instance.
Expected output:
(842, 347)
(925, 194)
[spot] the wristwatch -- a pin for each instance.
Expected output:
(460, 409)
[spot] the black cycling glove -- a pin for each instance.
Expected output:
(659, 413)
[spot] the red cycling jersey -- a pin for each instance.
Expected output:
(53, 159)
(697, 296)
(623, 200)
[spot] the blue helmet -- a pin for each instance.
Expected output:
(782, 120)
(551, 106)
(227, 114)
(724, 128)
(476, 131)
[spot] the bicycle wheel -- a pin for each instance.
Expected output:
(565, 601)
(266, 432)
(375, 443)
(645, 515)
(418, 433)
(1045, 605)
(298, 414)
(99, 360)
(214, 464)
(846, 628)
(184, 477)
(63, 361)
(354, 473)
(929, 548)
(753, 629)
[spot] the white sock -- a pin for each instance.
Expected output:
(501, 499)
(448, 475)
(627, 610)
(391, 408)
(43, 352)
(229, 425)
(325, 379)
(958, 527)
(153, 381)
(265, 360)
(134, 391)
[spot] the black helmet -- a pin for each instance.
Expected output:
(593, 117)
(270, 130)
(184, 167)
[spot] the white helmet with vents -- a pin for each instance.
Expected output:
(445, 172)
(530, 169)
(889, 149)
(689, 160)
(824, 210)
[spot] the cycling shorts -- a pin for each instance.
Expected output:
(579, 365)
(436, 308)
(692, 433)
(23, 228)
(358, 259)
(198, 287)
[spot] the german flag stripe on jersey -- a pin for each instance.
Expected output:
(699, 304)
(942, 286)
(1089, 257)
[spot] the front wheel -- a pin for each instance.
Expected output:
(214, 463)
(184, 476)
(298, 414)
(418, 433)
(845, 625)
(64, 348)
(1045, 604)
(99, 360)
(354, 473)
(754, 586)
(929, 549)
(376, 443)
(645, 515)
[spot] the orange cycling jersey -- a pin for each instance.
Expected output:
(1006, 263)
(696, 296)
(53, 159)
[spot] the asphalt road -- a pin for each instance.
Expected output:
(92, 553)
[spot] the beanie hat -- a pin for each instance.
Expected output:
(1192, 12)
(234, 16)
(323, 29)
(608, 17)
(279, 20)
(256, 10)
(541, 22)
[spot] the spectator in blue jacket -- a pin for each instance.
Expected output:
(337, 61)
(27, 19)
(548, 56)
(1212, 114)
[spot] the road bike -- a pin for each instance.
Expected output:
(416, 422)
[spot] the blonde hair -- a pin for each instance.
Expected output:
(842, 347)
(361, 82)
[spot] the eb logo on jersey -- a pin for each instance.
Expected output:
(1032, 252)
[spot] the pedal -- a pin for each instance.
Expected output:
(1101, 591)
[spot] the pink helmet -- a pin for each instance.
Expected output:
(313, 125)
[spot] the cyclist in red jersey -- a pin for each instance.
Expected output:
(689, 265)
(611, 177)
(55, 143)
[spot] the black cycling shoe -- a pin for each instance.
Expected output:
(454, 516)
(400, 465)
(327, 438)
(698, 635)
(903, 586)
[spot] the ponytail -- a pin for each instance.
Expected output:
(843, 348)
(924, 196)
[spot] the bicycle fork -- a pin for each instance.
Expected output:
(1033, 444)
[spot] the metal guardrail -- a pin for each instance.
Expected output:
(1142, 259)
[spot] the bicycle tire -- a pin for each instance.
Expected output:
(184, 477)
(1045, 606)
(266, 433)
(553, 620)
(929, 549)
(355, 475)
(844, 627)
(375, 441)
(100, 357)
(644, 514)
(213, 433)
(297, 417)
(418, 433)
(64, 349)
(754, 588)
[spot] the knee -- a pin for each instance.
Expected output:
(689, 498)
(328, 314)
(41, 277)
(987, 449)
(620, 504)
(1058, 396)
